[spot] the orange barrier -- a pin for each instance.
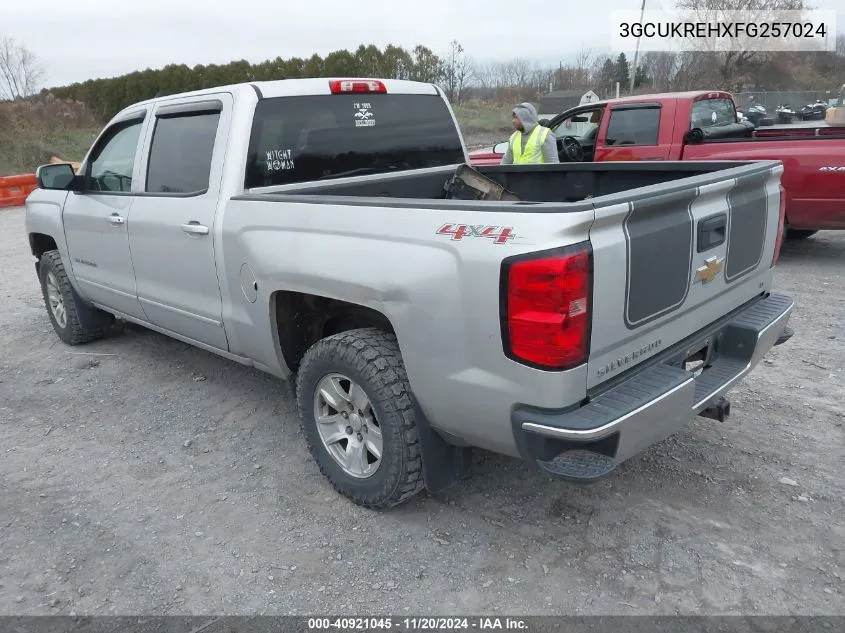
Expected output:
(15, 189)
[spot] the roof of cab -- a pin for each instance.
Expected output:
(658, 96)
(666, 96)
(320, 86)
(294, 87)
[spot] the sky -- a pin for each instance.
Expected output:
(77, 40)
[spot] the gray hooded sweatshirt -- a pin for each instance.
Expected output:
(526, 113)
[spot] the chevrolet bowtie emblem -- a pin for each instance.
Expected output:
(712, 267)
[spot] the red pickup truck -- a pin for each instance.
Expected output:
(703, 125)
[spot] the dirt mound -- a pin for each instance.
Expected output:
(56, 160)
(34, 130)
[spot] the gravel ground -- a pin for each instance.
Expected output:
(141, 475)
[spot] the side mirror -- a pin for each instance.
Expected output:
(544, 122)
(55, 176)
(500, 148)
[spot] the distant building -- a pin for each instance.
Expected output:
(559, 100)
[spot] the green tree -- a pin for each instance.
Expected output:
(426, 65)
(106, 97)
(396, 63)
(641, 78)
(605, 77)
(339, 64)
(622, 71)
(368, 60)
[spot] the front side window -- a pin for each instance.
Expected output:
(112, 163)
(584, 125)
(308, 138)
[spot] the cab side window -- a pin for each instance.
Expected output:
(181, 153)
(584, 125)
(111, 164)
(633, 126)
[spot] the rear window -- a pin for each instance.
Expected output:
(300, 139)
(712, 113)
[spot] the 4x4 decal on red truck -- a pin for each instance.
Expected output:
(499, 234)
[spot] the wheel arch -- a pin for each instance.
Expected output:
(302, 319)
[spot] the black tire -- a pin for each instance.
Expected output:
(81, 323)
(799, 234)
(371, 358)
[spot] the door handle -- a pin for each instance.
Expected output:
(712, 231)
(115, 219)
(195, 228)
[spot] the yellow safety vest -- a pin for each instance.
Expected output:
(533, 153)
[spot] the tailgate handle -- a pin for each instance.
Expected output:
(711, 232)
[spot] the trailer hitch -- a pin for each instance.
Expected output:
(720, 410)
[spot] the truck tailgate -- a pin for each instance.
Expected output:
(676, 258)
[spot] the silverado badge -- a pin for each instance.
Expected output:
(712, 267)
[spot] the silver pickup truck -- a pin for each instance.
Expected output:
(304, 227)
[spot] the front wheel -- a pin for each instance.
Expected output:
(355, 408)
(72, 320)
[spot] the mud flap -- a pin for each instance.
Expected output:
(443, 463)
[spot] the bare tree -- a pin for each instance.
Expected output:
(583, 68)
(661, 66)
(734, 66)
(521, 70)
(694, 70)
(20, 70)
(457, 71)
(542, 79)
(485, 75)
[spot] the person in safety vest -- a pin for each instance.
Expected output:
(531, 143)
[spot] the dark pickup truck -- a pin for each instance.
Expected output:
(704, 126)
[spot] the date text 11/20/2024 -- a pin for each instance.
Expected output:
(417, 624)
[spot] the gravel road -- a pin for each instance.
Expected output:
(141, 475)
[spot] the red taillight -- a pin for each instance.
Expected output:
(546, 309)
(781, 220)
(342, 86)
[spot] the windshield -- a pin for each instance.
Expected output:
(307, 138)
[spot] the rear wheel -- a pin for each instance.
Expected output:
(355, 409)
(799, 234)
(73, 321)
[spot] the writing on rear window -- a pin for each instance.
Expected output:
(279, 159)
(316, 137)
(364, 115)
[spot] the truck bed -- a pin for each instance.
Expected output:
(813, 179)
(563, 182)
(652, 229)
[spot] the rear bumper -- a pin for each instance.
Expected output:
(653, 403)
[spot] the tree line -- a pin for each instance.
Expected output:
(108, 96)
(463, 79)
